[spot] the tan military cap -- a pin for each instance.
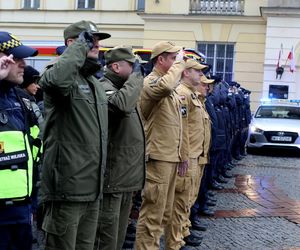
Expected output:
(193, 64)
(204, 79)
(164, 46)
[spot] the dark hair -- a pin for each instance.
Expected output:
(31, 75)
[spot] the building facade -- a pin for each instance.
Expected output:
(241, 38)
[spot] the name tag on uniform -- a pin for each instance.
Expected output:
(109, 92)
(84, 88)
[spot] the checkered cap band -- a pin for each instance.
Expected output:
(9, 44)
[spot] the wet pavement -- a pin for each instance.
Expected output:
(259, 208)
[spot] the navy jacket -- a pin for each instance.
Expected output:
(10, 104)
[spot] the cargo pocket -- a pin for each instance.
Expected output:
(183, 184)
(53, 226)
(152, 191)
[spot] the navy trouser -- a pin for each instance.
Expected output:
(213, 174)
(244, 136)
(15, 237)
(236, 144)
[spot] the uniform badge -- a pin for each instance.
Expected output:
(182, 97)
(109, 92)
(153, 82)
(183, 111)
(27, 103)
(1, 147)
(194, 96)
(3, 118)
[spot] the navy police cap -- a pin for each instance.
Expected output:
(9, 44)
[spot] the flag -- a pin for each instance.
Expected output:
(279, 56)
(292, 61)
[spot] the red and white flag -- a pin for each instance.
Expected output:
(292, 61)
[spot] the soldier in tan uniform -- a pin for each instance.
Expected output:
(192, 148)
(161, 112)
(203, 159)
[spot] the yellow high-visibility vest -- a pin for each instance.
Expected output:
(16, 166)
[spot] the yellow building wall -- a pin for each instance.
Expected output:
(158, 6)
(248, 37)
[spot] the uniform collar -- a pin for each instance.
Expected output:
(158, 72)
(188, 86)
(114, 78)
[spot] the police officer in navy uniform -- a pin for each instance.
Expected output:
(16, 161)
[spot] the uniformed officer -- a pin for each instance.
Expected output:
(203, 199)
(162, 114)
(125, 168)
(192, 149)
(75, 141)
(16, 160)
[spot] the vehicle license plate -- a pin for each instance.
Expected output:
(281, 138)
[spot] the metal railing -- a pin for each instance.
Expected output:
(215, 7)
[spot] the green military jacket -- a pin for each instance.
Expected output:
(75, 135)
(125, 169)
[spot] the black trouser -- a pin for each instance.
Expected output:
(15, 237)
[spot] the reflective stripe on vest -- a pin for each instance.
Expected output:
(15, 165)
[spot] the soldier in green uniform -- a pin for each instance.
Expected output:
(75, 141)
(125, 169)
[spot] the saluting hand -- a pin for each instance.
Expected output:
(5, 65)
(86, 36)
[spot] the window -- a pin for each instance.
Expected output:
(31, 4)
(220, 56)
(140, 5)
(85, 4)
(279, 91)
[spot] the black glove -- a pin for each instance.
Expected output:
(86, 36)
(137, 67)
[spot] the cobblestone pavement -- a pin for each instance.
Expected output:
(259, 209)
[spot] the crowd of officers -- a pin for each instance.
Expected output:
(156, 144)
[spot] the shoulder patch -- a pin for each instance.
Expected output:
(27, 103)
(184, 111)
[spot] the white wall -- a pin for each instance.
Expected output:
(286, 31)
